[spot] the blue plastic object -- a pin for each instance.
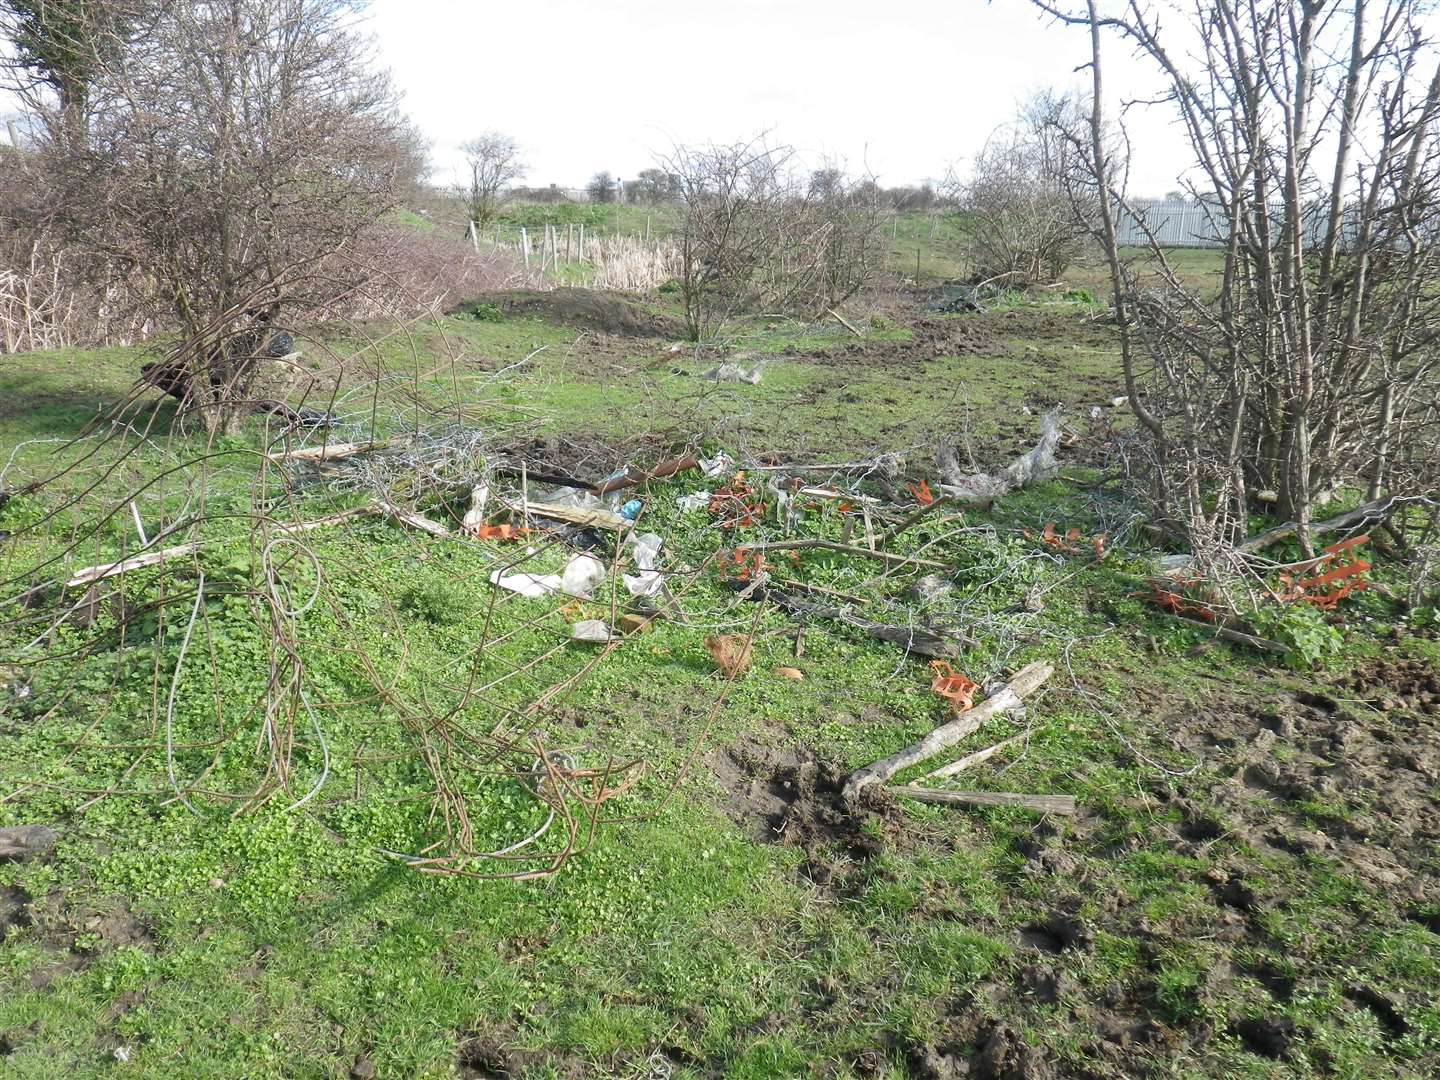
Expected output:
(631, 510)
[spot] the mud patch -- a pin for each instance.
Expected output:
(71, 938)
(1272, 1037)
(14, 904)
(489, 1056)
(1367, 746)
(791, 797)
(601, 312)
(930, 339)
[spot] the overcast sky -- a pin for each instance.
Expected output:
(902, 86)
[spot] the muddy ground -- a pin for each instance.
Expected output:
(1370, 739)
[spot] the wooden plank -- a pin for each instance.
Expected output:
(91, 574)
(1046, 804)
(326, 451)
(575, 515)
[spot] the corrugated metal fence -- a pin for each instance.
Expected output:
(1202, 225)
(1173, 224)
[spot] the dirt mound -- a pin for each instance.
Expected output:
(605, 313)
(930, 339)
(69, 937)
(492, 1055)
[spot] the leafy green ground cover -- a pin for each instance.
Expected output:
(1248, 889)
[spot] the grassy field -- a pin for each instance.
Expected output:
(1247, 889)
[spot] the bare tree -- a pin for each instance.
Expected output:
(232, 151)
(735, 198)
(1023, 224)
(1313, 365)
(492, 164)
(602, 188)
(846, 218)
(58, 48)
(755, 235)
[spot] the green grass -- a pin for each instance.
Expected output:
(287, 944)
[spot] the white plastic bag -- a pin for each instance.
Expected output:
(647, 557)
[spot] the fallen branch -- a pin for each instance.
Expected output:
(1046, 804)
(326, 451)
(1369, 514)
(298, 527)
(1007, 698)
(91, 574)
(1237, 636)
(937, 644)
(846, 323)
(913, 517)
(416, 521)
(847, 549)
(977, 758)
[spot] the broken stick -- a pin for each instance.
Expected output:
(846, 323)
(980, 756)
(913, 517)
(1046, 804)
(1026, 681)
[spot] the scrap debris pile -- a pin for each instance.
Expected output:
(574, 556)
(572, 551)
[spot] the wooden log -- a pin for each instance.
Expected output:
(977, 758)
(417, 521)
(19, 841)
(1045, 804)
(632, 477)
(1026, 681)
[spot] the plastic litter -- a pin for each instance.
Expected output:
(631, 510)
(582, 574)
(647, 557)
(728, 372)
(722, 464)
(591, 630)
(696, 500)
(580, 500)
